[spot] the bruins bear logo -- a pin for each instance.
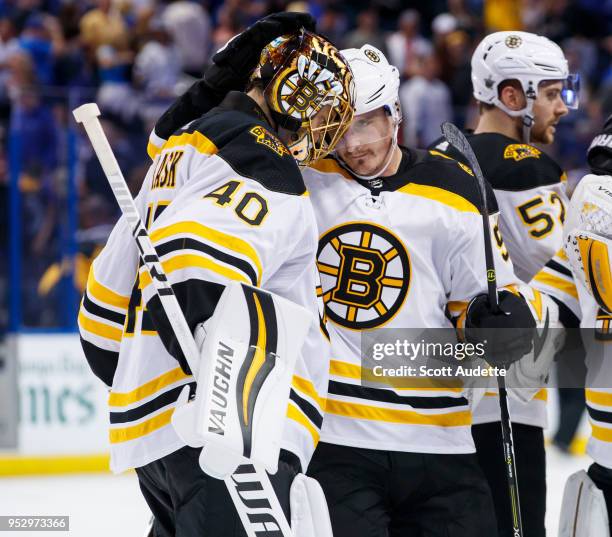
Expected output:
(371, 55)
(513, 41)
(365, 274)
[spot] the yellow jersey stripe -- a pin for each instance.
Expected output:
(124, 434)
(105, 295)
(147, 389)
(558, 283)
(193, 139)
(295, 414)
(180, 262)
(306, 387)
(329, 165)
(368, 412)
(440, 195)
(599, 398)
(344, 369)
(100, 329)
(229, 242)
(153, 150)
(601, 433)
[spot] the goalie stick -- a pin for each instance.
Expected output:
(457, 139)
(249, 487)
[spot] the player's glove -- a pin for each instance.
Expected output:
(599, 154)
(507, 335)
(230, 69)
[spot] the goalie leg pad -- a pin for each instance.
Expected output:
(246, 365)
(309, 513)
(590, 257)
(583, 510)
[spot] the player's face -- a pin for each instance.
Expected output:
(366, 144)
(548, 109)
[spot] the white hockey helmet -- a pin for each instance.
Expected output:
(377, 82)
(522, 56)
(376, 86)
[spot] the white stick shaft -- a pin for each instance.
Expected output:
(261, 516)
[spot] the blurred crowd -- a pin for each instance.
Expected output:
(133, 57)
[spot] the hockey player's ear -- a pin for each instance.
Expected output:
(511, 94)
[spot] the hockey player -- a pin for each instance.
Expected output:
(396, 250)
(224, 201)
(523, 87)
(587, 502)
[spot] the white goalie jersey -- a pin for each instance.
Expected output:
(410, 257)
(223, 201)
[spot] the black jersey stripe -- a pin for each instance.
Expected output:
(99, 311)
(599, 415)
(102, 362)
(388, 396)
(144, 410)
(307, 408)
(558, 267)
(189, 243)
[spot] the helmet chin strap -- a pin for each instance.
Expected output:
(528, 117)
(383, 167)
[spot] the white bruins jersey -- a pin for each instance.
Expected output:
(530, 190)
(411, 256)
(224, 200)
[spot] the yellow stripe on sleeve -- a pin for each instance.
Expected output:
(124, 434)
(295, 414)
(105, 295)
(601, 433)
(306, 387)
(147, 389)
(558, 283)
(180, 262)
(599, 398)
(229, 242)
(100, 329)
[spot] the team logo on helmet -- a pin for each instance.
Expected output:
(371, 55)
(521, 151)
(365, 274)
(513, 41)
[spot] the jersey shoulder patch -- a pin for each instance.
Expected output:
(249, 146)
(454, 179)
(513, 166)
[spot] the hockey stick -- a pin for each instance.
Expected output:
(457, 139)
(249, 487)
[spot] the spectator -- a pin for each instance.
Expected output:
(367, 31)
(426, 103)
(104, 26)
(407, 43)
(189, 26)
(157, 69)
